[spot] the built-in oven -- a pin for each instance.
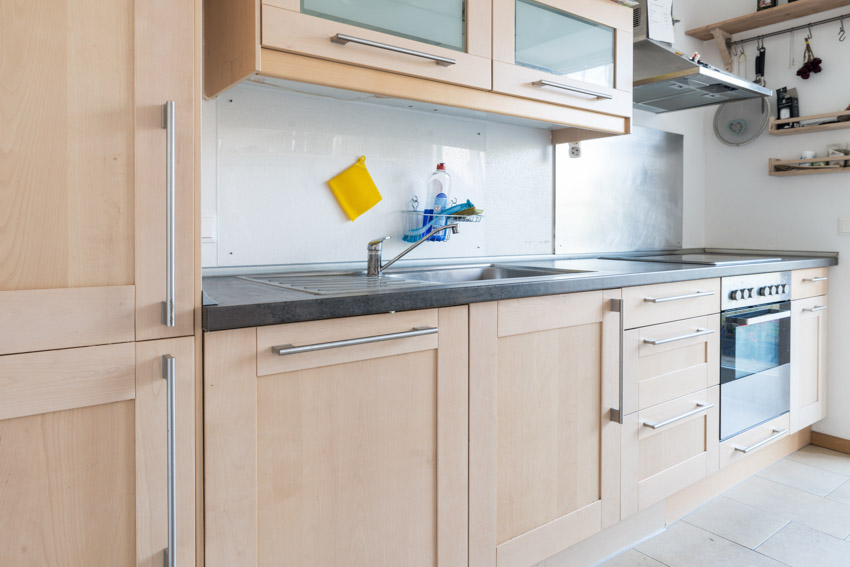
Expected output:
(755, 350)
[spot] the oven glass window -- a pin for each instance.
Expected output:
(754, 340)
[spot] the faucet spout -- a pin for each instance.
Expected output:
(374, 267)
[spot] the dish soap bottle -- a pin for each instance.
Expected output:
(439, 186)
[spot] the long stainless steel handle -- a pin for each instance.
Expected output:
(169, 372)
(554, 85)
(815, 280)
(815, 309)
(701, 406)
(282, 350)
(618, 414)
(762, 443)
(342, 39)
(747, 321)
(698, 333)
(678, 297)
(168, 307)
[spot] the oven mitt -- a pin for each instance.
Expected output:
(355, 190)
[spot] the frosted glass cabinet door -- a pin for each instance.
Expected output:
(444, 40)
(572, 52)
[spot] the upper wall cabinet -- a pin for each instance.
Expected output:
(442, 40)
(459, 56)
(572, 52)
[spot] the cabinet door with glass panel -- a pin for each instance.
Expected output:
(572, 52)
(443, 40)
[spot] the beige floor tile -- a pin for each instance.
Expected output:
(841, 494)
(823, 459)
(789, 503)
(804, 477)
(684, 545)
(800, 546)
(736, 522)
(631, 558)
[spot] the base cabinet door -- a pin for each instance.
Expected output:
(354, 455)
(84, 456)
(544, 453)
(808, 361)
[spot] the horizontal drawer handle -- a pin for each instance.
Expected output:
(815, 309)
(554, 85)
(678, 297)
(776, 434)
(282, 350)
(815, 280)
(343, 39)
(701, 406)
(747, 321)
(698, 333)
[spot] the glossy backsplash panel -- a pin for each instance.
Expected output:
(273, 151)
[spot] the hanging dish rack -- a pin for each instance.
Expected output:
(419, 223)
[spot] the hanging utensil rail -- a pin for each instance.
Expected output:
(789, 30)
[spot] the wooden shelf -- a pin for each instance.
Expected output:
(755, 20)
(773, 162)
(773, 131)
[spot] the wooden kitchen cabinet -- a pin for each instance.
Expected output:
(83, 455)
(544, 453)
(83, 175)
(352, 455)
(808, 361)
(571, 52)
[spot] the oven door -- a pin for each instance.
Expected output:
(755, 374)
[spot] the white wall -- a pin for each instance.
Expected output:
(268, 154)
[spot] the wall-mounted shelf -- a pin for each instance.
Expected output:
(776, 15)
(773, 163)
(774, 131)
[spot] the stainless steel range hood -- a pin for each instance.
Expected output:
(665, 81)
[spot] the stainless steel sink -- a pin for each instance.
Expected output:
(355, 283)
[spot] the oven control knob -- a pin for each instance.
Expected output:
(733, 294)
(785, 288)
(750, 293)
(764, 290)
(775, 289)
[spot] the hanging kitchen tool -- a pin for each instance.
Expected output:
(740, 122)
(760, 59)
(811, 64)
(841, 34)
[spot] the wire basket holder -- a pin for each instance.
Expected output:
(419, 223)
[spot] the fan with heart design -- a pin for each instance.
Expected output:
(740, 122)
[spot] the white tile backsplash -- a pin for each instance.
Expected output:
(275, 150)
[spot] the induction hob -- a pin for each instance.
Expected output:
(700, 259)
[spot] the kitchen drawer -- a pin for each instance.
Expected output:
(660, 303)
(802, 285)
(322, 333)
(733, 450)
(681, 450)
(685, 360)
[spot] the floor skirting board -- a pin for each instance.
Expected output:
(830, 442)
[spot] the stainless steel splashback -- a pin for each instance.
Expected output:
(623, 193)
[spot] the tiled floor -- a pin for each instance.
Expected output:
(795, 513)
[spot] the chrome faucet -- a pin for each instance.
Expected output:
(374, 267)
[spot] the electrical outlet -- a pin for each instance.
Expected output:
(843, 226)
(575, 150)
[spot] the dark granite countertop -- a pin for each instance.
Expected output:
(241, 303)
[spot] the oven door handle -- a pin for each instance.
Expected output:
(745, 321)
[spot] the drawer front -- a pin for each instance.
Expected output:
(661, 303)
(294, 32)
(739, 447)
(664, 362)
(326, 334)
(809, 283)
(680, 450)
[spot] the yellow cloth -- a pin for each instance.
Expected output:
(355, 190)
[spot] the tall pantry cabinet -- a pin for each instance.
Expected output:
(90, 251)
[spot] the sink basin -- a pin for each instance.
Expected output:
(460, 274)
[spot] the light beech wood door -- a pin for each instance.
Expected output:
(83, 456)
(544, 454)
(808, 361)
(349, 456)
(82, 172)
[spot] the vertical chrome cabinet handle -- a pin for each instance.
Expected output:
(169, 373)
(618, 415)
(168, 308)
